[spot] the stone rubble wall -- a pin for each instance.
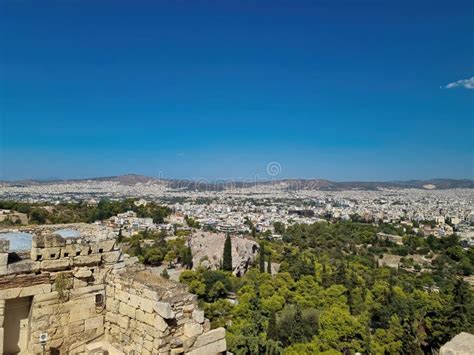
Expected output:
(70, 325)
(84, 292)
(53, 253)
(67, 310)
(150, 321)
(70, 321)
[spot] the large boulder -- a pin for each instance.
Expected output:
(461, 344)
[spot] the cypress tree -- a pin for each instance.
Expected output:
(262, 257)
(227, 256)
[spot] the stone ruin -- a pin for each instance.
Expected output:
(82, 295)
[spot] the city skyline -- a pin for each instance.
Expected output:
(330, 90)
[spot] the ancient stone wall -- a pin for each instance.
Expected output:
(151, 315)
(64, 279)
(87, 297)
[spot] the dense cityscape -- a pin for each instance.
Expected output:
(222, 242)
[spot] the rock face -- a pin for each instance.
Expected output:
(208, 248)
(461, 344)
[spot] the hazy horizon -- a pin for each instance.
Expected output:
(256, 178)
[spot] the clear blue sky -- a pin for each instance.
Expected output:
(344, 90)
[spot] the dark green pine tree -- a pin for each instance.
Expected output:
(460, 315)
(227, 256)
(262, 257)
(269, 263)
(409, 340)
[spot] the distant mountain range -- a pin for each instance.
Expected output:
(290, 184)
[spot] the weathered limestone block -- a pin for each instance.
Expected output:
(112, 305)
(160, 324)
(111, 317)
(165, 349)
(111, 257)
(121, 295)
(50, 296)
(148, 345)
(198, 315)
(146, 305)
(188, 308)
(55, 265)
(48, 241)
(50, 253)
(82, 313)
(192, 330)
(188, 343)
(149, 329)
(93, 323)
(23, 267)
(151, 294)
(24, 291)
(122, 321)
(82, 260)
(209, 337)
(40, 312)
(35, 290)
(76, 327)
(93, 289)
(110, 290)
(36, 253)
(94, 247)
(83, 248)
(82, 273)
(126, 310)
(145, 317)
(78, 283)
(71, 250)
(3, 263)
(164, 310)
(216, 347)
(129, 299)
(106, 245)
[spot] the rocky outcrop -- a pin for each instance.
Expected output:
(207, 249)
(461, 344)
